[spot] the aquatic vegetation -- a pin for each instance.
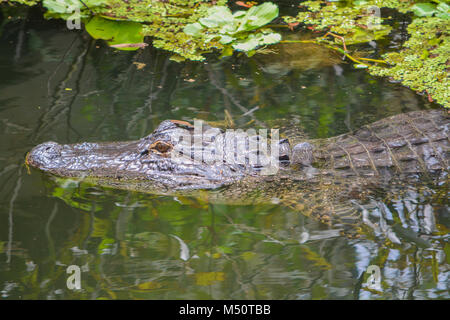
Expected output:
(164, 22)
(126, 34)
(175, 25)
(358, 22)
(191, 29)
(234, 30)
(26, 2)
(65, 8)
(441, 10)
(423, 63)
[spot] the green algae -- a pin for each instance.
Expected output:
(357, 22)
(424, 62)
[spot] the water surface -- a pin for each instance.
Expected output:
(61, 85)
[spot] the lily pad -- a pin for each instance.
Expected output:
(116, 32)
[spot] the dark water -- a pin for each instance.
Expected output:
(60, 85)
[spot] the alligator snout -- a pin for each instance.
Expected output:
(44, 155)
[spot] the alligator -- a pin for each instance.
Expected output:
(321, 178)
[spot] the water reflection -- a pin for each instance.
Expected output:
(60, 85)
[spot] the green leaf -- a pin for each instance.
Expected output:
(443, 7)
(239, 14)
(253, 41)
(210, 37)
(230, 28)
(94, 3)
(61, 6)
(360, 2)
(443, 15)
(226, 39)
(217, 17)
(67, 6)
(115, 32)
(226, 52)
(247, 45)
(270, 38)
(444, 11)
(258, 16)
(424, 9)
(193, 29)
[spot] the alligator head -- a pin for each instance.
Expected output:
(171, 157)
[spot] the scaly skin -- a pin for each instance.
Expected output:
(407, 143)
(319, 178)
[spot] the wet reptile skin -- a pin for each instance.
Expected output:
(320, 178)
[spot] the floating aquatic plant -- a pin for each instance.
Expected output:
(357, 22)
(25, 2)
(190, 29)
(427, 9)
(126, 35)
(164, 22)
(187, 28)
(424, 62)
(65, 8)
(242, 30)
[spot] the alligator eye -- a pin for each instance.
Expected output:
(161, 147)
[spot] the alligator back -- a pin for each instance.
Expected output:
(414, 142)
